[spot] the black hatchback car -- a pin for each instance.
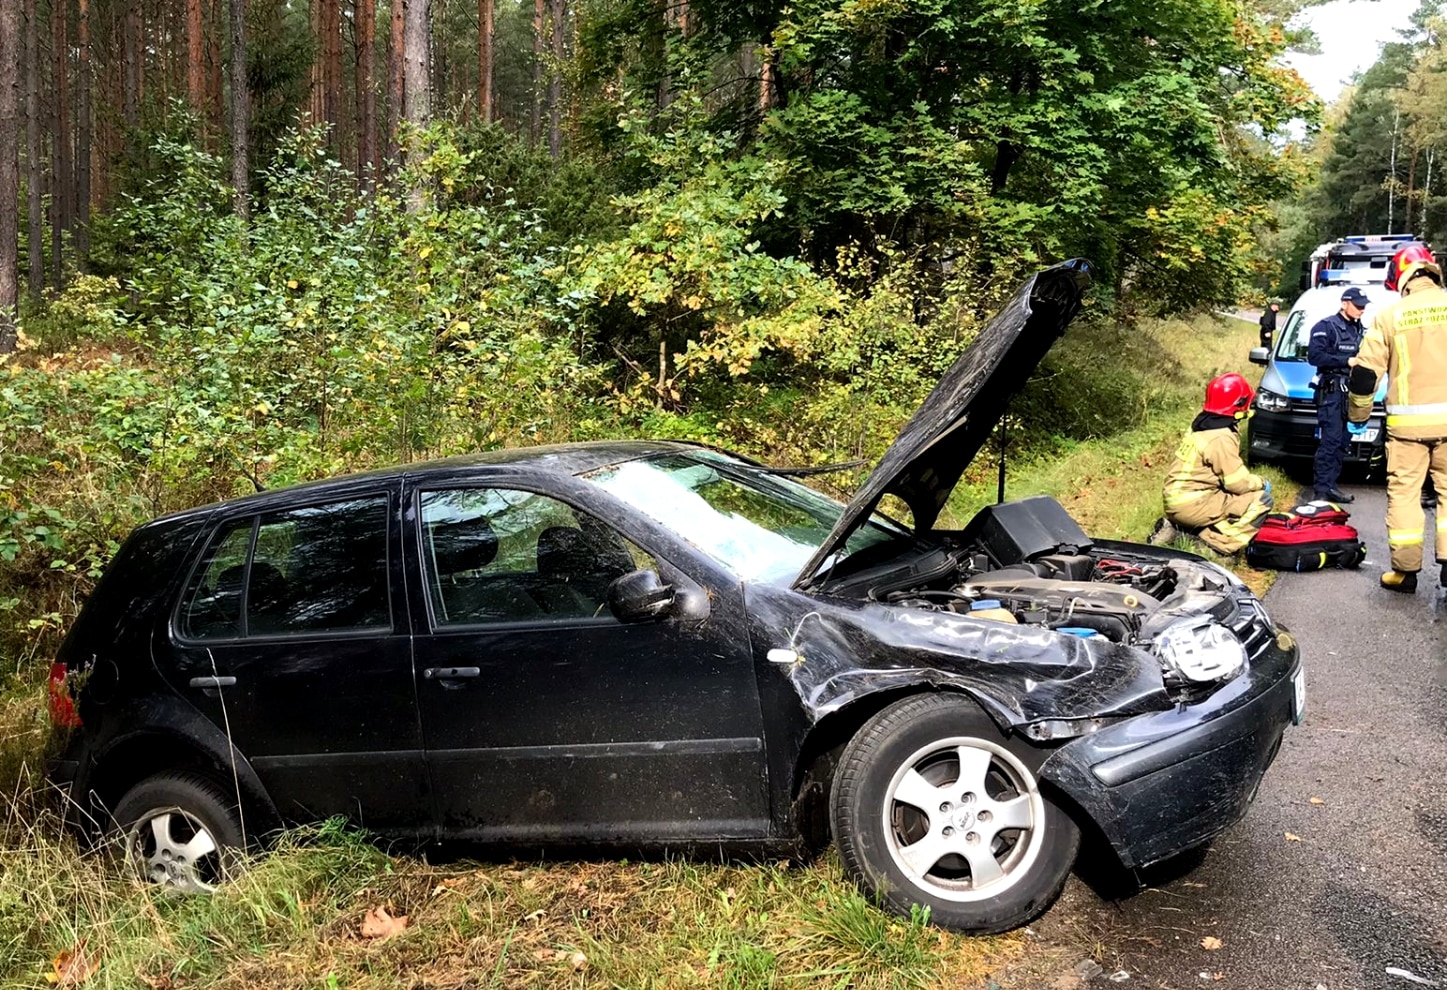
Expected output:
(657, 644)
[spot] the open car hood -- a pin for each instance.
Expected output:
(926, 460)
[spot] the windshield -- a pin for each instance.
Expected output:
(1294, 338)
(758, 525)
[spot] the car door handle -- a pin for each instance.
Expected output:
(212, 682)
(450, 673)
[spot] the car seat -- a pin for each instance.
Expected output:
(268, 601)
(217, 614)
(576, 566)
(460, 549)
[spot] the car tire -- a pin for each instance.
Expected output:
(998, 826)
(181, 831)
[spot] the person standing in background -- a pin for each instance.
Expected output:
(1268, 324)
(1334, 342)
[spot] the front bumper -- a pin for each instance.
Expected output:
(1291, 435)
(1160, 784)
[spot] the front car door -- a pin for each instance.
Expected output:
(285, 638)
(547, 718)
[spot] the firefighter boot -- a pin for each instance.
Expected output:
(1403, 581)
(1165, 531)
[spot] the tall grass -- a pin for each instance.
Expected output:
(293, 919)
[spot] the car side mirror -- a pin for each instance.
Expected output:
(1260, 355)
(640, 596)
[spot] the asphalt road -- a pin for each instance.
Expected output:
(1339, 871)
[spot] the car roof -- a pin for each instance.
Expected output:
(1323, 301)
(560, 460)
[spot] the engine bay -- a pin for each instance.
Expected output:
(1030, 563)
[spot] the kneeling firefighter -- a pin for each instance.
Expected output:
(1208, 488)
(1408, 343)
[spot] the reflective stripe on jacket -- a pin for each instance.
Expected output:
(1408, 343)
(1208, 461)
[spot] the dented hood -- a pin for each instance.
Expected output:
(925, 461)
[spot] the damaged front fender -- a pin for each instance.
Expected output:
(840, 652)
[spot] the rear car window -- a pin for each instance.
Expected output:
(316, 569)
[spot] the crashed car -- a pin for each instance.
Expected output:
(647, 645)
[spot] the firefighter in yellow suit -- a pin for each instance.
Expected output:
(1408, 343)
(1208, 488)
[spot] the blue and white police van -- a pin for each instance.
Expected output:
(1283, 427)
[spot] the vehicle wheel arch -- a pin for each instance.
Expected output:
(135, 757)
(826, 739)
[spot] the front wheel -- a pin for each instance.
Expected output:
(181, 831)
(931, 806)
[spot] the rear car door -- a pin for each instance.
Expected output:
(285, 638)
(547, 718)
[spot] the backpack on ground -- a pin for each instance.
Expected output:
(1310, 537)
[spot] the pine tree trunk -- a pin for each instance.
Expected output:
(62, 175)
(10, 40)
(366, 94)
(83, 133)
(439, 73)
(486, 12)
(766, 83)
(131, 62)
(195, 56)
(558, 12)
(35, 254)
(240, 110)
(396, 77)
(314, 74)
(332, 70)
(534, 115)
(417, 49)
(215, 34)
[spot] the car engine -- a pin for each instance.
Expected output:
(1029, 562)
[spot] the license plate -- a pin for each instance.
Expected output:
(1367, 436)
(1298, 697)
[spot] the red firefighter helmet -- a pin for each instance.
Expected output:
(1228, 395)
(1407, 262)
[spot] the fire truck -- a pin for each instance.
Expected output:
(1360, 259)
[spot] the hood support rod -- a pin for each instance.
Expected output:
(1000, 439)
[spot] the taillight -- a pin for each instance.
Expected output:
(62, 706)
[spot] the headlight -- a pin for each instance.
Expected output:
(1200, 650)
(1269, 401)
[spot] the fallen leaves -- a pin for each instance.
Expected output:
(1317, 800)
(71, 967)
(576, 960)
(380, 924)
(1292, 837)
(1210, 943)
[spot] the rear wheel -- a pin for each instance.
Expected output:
(932, 806)
(180, 830)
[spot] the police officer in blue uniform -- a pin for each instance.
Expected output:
(1334, 342)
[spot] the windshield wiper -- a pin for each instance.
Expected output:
(804, 472)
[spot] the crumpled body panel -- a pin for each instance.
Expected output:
(848, 650)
